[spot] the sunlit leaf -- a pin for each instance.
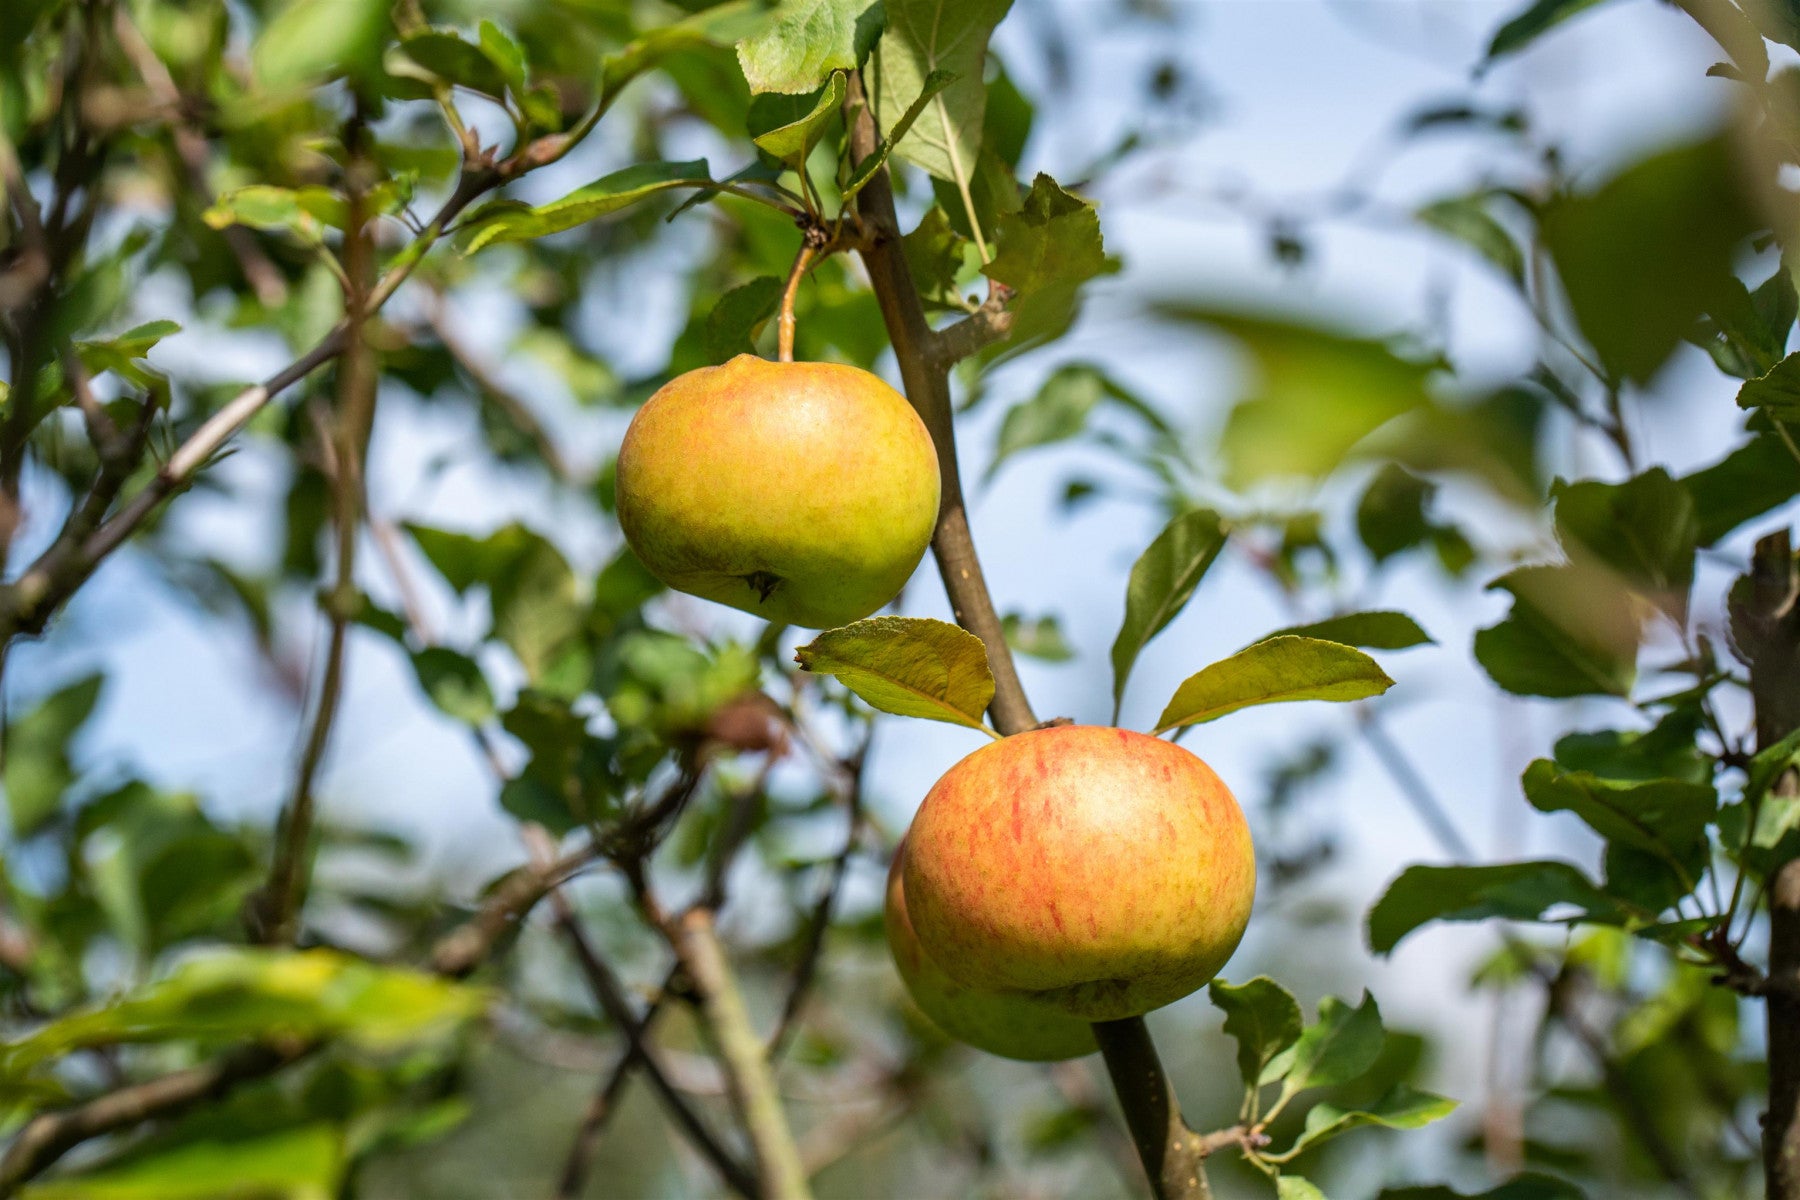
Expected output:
(308, 40)
(508, 221)
(789, 129)
(908, 666)
(1280, 670)
(803, 41)
(923, 37)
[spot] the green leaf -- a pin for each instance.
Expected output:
(304, 212)
(1643, 528)
(1059, 411)
(508, 221)
(303, 1163)
(1319, 393)
(1525, 28)
(1402, 1107)
(1292, 1187)
(531, 590)
(37, 769)
(1051, 243)
(1529, 1186)
(908, 666)
(1162, 581)
(865, 170)
(1041, 638)
(1370, 630)
(924, 37)
(504, 51)
(739, 316)
(1276, 671)
(1467, 219)
(789, 130)
(1747, 334)
(936, 253)
(1776, 391)
(719, 25)
(455, 684)
(309, 40)
(253, 994)
(1390, 517)
(1662, 817)
(1571, 632)
(1522, 891)
(1646, 254)
(445, 54)
(1262, 1017)
(569, 778)
(804, 41)
(1340, 1046)
(1760, 475)
(1665, 751)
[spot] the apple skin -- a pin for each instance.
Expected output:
(1098, 870)
(1009, 1026)
(805, 493)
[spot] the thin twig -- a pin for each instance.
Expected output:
(191, 148)
(806, 970)
(277, 913)
(49, 1136)
(747, 1073)
(580, 1160)
(610, 994)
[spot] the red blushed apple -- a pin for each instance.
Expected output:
(1007, 1025)
(1100, 871)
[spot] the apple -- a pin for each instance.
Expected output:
(1099, 871)
(1008, 1025)
(805, 493)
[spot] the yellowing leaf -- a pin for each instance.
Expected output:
(908, 666)
(1280, 669)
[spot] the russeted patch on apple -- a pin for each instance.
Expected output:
(1099, 871)
(1010, 1026)
(805, 493)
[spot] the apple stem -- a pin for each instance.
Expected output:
(1174, 1156)
(784, 328)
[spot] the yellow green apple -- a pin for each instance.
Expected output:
(1096, 870)
(1008, 1025)
(805, 493)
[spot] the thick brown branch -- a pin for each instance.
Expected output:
(1766, 617)
(927, 381)
(976, 332)
(1173, 1155)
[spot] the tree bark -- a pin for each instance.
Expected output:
(1767, 629)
